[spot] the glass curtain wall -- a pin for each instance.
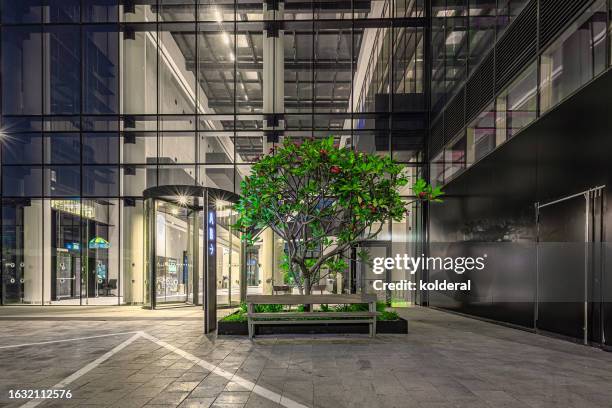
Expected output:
(463, 31)
(103, 99)
(579, 54)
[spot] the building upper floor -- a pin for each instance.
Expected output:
(490, 80)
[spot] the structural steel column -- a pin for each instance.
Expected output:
(273, 68)
(273, 108)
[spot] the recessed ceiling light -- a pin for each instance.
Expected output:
(218, 16)
(181, 199)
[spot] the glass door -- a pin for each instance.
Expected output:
(229, 256)
(173, 233)
(192, 255)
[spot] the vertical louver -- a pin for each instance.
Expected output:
(436, 138)
(517, 46)
(554, 15)
(455, 116)
(480, 88)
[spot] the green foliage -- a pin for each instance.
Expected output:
(360, 307)
(269, 308)
(388, 315)
(322, 200)
(399, 302)
(426, 192)
(241, 314)
(235, 317)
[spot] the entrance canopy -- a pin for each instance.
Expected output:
(188, 195)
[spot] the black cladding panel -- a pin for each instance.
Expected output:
(561, 272)
(492, 205)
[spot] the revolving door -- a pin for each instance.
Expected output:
(173, 237)
(193, 254)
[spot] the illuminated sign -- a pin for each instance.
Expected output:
(74, 207)
(99, 243)
(172, 266)
(73, 246)
(211, 233)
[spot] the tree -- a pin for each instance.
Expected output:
(322, 201)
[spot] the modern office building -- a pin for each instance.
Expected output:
(128, 125)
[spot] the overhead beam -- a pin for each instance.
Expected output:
(257, 82)
(289, 104)
(342, 6)
(326, 65)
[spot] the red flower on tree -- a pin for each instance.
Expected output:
(334, 170)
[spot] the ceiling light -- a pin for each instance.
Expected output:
(232, 57)
(226, 38)
(218, 16)
(242, 41)
(445, 13)
(181, 199)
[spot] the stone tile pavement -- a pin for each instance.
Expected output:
(445, 361)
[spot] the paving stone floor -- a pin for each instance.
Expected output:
(445, 361)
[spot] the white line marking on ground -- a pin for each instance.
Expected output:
(35, 402)
(65, 340)
(271, 395)
(264, 392)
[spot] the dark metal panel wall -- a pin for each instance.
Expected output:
(491, 205)
(561, 257)
(489, 210)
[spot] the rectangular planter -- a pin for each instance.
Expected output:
(382, 327)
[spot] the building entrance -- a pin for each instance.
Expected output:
(174, 235)
(193, 255)
(174, 232)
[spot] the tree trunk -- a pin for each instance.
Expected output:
(307, 308)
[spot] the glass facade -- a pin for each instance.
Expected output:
(577, 55)
(463, 31)
(103, 99)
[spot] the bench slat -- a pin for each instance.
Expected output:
(254, 322)
(286, 315)
(368, 317)
(310, 299)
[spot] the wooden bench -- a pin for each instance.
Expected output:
(311, 317)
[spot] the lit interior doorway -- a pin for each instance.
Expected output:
(193, 255)
(174, 236)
